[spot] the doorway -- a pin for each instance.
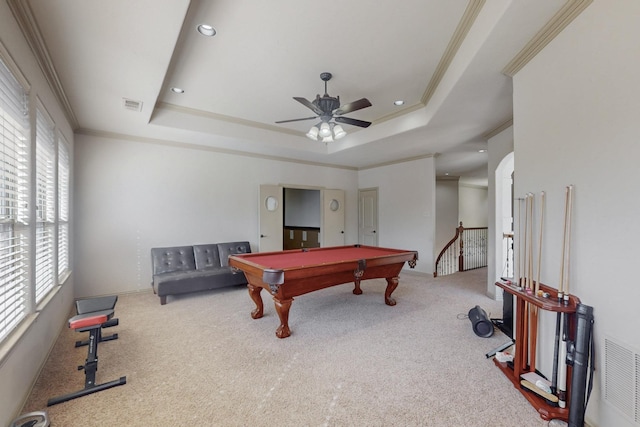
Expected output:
(293, 217)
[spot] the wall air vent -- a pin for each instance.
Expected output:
(622, 379)
(130, 104)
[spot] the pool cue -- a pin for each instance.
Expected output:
(542, 200)
(530, 245)
(532, 325)
(524, 355)
(534, 312)
(520, 244)
(556, 349)
(562, 381)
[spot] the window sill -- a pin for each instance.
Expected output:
(14, 338)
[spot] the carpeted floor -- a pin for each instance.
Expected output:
(350, 361)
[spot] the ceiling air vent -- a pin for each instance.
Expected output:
(130, 104)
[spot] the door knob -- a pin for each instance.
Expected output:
(374, 231)
(262, 235)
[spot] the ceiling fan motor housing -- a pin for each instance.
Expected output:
(327, 104)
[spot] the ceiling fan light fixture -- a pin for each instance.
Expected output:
(338, 132)
(325, 130)
(327, 139)
(313, 133)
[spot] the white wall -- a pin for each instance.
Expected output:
(576, 110)
(133, 196)
(302, 208)
(500, 146)
(447, 201)
(406, 207)
(473, 205)
(23, 354)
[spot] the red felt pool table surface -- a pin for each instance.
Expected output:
(287, 274)
(314, 256)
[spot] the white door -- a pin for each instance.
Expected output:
(368, 217)
(332, 218)
(271, 218)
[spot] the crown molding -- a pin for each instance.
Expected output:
(475, 186)
(190, 146)
(394, 162)
(223, 118)
(399, 113)
(13, 67)
(465, 24)
(27, 23)
(562, 18)
(447, 178)
(493, 132)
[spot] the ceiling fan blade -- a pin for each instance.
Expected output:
(354, 122)
(297, 120)
(353, 106)
(309, 105)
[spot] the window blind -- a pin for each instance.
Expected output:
(45, 205)
(14, 196)
(63, 207)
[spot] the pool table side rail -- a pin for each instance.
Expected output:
(331, 272)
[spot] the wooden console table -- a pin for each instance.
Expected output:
(546, 410)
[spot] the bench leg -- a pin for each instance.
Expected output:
(90, 368)
(163, 300)
(86, 391)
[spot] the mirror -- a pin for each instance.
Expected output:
(271, 203)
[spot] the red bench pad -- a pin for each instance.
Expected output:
(90, 319)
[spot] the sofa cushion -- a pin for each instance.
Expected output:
(206, 256)
(179, 258)
(197, 280)
(232, 248)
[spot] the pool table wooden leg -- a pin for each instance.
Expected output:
(392, 284)
(282, 308)
(254, 293)
(357, 290)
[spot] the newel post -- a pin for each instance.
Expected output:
(461, 256)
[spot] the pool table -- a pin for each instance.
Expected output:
(291, 273)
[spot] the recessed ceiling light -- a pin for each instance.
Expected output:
(398, 102)
(177, 90)
(206, 30)
(482, 151)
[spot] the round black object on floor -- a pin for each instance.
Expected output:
(480, 322)
(32, 419)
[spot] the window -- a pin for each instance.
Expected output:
(35, 180)
(63, 207)
(14, 197)
(45, 205)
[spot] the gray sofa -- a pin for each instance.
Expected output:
(183, 269)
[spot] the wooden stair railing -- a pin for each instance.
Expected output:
(468, 254)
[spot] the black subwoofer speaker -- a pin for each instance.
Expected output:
(480, 322)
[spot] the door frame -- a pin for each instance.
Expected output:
(361, 235)
(282, 207)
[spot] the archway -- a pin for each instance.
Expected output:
(504, 262)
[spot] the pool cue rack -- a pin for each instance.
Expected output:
(523, 300)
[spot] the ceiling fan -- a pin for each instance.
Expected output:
(328, 108)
